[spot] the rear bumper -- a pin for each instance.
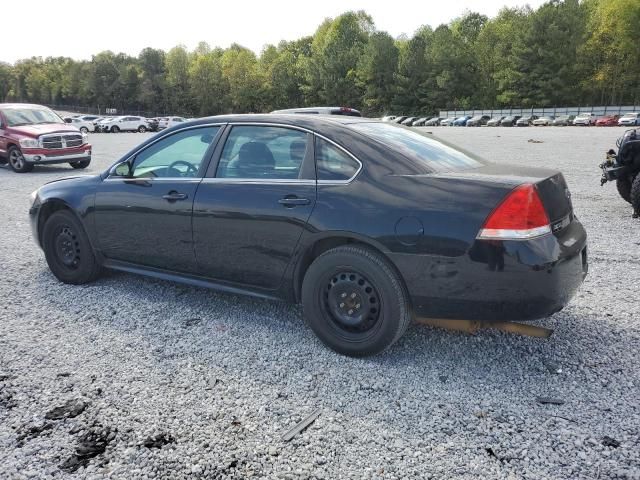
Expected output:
(499, 280)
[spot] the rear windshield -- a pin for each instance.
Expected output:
(435, 155)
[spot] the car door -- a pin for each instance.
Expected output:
(143, 208)
(251, 209)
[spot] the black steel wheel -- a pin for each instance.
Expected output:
(67, 249)
(80, 164)
(17, 161)
(354, 301)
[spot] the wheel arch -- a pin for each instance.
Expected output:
(48, 208)
(327, 242)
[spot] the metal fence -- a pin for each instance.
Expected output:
(106, 111)
(553, 111)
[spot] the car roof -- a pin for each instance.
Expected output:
(284, 118)
(21, 105)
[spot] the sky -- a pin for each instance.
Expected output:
(80, 29)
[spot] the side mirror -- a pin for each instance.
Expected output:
(122, 170)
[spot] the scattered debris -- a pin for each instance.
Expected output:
(63, 374)
(552, 366)
(300, 426)
(549, 401)
(610, 442)
(71, 409)
(493, 454)
(158, 441)
(192, 322)
(33, 432)
(5, 376)
(531, 140)
(442, 378)
(91, 445)
(235, 422)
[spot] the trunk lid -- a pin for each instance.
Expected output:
(550, 184)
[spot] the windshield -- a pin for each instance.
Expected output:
(426, 150)
(30, 116)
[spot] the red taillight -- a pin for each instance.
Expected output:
(520, 216)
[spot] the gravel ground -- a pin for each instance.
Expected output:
(159, 380)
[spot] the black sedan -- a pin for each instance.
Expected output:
(363, 222)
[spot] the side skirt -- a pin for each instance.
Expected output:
(193, 280)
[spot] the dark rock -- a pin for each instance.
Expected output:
(90, 445)
(71, 409)
(33, 432)
(158, 441)
(63, 374)
(192, 322)
(610, 442)
(443, 378)
(549, 401)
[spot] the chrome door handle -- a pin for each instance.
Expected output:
(293, 201)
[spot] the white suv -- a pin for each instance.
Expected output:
(124, 124)
(85, 126)
(168, 122)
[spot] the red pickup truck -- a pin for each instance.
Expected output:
(35, 135)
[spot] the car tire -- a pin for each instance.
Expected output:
(67, 249)
(115, 129)
(84, 130)
(142, 129)
(375, 312)
(81, 164)
(17, 161)
(635, 194)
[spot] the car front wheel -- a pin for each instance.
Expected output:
(142, 129)
(115, 129)
(84, 129)
(67, 249)
(354, 301)
(17, 162)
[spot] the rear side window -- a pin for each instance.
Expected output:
(263, 152)
(435, 155)
(332, 163)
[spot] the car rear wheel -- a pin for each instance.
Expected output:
(115, 129)
(17, 161)
(67, 249)
(84, 129)
(81, 164)
(142, 129)
(354, 301)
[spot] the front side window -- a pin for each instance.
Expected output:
(176, 156)
(332, 163)
(262, 152)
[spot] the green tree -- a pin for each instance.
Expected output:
(376, 71)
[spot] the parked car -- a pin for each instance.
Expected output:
(461, 121)
(608, 121)
(87, 118)
(400, 119)
(509, 121)
(543, 121)
(153, 124)
(629, 119)
(478, 121)
(345, 111)
(526, 121)
(585, 119)
(125, 124)
(35, 135)
(100, 124)
(624, 168)
(168, 122)
(388, 118)
(85, 126)
(495, 121)
(420, 122)
(261, 215)
(433, 122)
(448, 122)
(563, 120)
(408, 121)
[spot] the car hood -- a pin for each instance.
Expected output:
(37, 130)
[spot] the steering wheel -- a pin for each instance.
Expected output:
(190, 168)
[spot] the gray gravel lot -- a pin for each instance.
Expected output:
(210, 381)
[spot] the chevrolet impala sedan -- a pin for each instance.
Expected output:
(365, 223)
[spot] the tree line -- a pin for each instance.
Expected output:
(565, 53)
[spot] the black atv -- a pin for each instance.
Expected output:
(624, 167)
